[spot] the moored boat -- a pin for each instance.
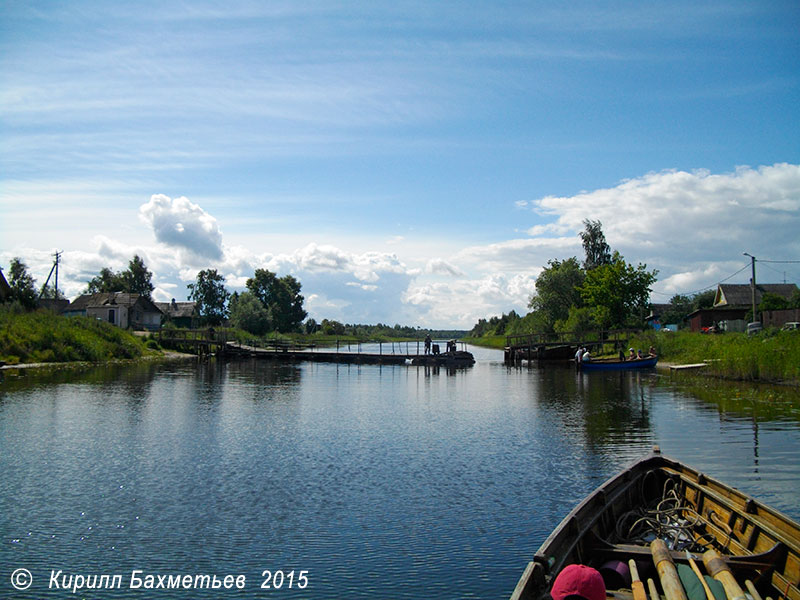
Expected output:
(661, 507)
(618, 365)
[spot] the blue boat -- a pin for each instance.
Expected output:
(619, 365)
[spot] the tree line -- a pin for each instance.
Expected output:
(269, 303)
(602, 292)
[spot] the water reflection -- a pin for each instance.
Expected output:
(426, 481)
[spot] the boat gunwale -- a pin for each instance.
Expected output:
(601, 364)
(566, 539)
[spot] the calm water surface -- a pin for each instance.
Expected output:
(390, 482)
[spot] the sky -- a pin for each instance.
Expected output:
(408, 162)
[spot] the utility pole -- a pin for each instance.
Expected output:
(753, 283)
(57, 256)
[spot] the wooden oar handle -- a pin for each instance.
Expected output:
(667, 573)
(717, 568)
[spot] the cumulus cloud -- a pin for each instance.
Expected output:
(691, 226)
(461, 302)
(181, 224)
(439, 266)
(659, 208)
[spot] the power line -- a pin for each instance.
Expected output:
(785, 262)
(708, 287)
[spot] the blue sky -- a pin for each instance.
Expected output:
(409, 162)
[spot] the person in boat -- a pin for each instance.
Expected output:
(639, 355)
(652, 351)
(578, 582)
(631, 354)
(586, 357)
(427, 344)
(579, 354)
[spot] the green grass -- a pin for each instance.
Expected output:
(487, 341)
(768, 356)
(42, 336)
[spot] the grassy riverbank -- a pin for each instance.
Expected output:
(769, 356)
(488, 341)
(41, 336)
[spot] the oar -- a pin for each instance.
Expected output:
(717, 568)
(651, 585)
(637, 587)
(702, 579)
(667, 573)
(752, 589)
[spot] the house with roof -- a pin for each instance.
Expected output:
(181, 314)
(736, 294)
(732, 303)
(5, 289)
(124, 310)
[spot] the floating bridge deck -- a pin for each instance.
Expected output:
(208, 342)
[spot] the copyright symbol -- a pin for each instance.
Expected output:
(21, 579)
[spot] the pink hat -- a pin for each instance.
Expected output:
(579, 580)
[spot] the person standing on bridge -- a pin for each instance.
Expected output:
(428, 344)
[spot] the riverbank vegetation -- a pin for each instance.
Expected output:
(768, 356)
(42, 336)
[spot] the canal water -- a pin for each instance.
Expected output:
(345, 481)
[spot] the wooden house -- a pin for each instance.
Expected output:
(741, 295)
(733, 302)
(124, 310)
(181, 314)
(5, 289)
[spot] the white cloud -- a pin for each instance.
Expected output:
(439, 266)
(461, 302)
(691, 226)
(181, 224)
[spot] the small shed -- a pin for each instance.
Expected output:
(181, 314)
(728, 318)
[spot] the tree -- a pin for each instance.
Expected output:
(770, 301)
(311, 326)
(618, 292)
(137, 279)
(107, 281)
(580, 320)
(281, 296)
(332, 327)
(597, 251)
(557, 290)
(704, 299)
(249, 314)
(679, 308)
(794, 302)
(209, 292)
(23, 286)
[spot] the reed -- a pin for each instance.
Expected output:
(764, 357)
